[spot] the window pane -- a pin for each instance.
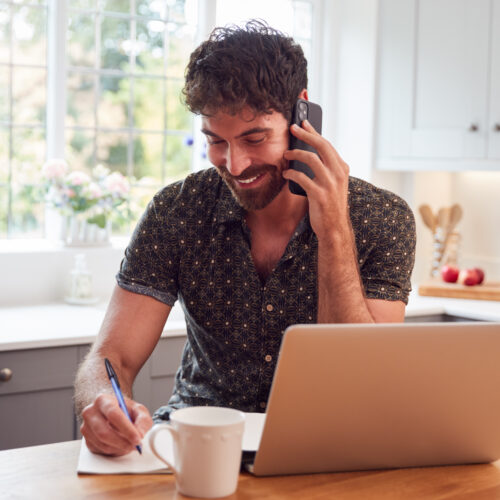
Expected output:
(4, 33)
(116, 43)
(28, 154)
(81, 40)
(83, 4)
(29, 35)
(27, 211)
(27, 205)
(80, 100)
(112, 150)
(4, 210)
(148, 103)
(79, 152)
(176, 11)
(149, 47)
(178, 117)
(152, 8)
(116, 6)
(178, 158)
(4, 155)
(148, 156)
(180, 46)
(35, 2)
(112, 111)
(4, 92)
(29, 95)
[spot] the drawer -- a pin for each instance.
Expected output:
(39, 369)
(166, 357)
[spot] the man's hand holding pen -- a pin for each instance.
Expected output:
(108, 430)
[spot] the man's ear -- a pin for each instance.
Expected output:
(303, 95)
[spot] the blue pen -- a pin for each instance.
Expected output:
(118, 393)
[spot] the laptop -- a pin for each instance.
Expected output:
(377, 396)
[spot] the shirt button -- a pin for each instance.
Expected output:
(268, 358)
(269, 307)
(262, 405)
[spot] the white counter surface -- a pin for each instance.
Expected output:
(60, 324)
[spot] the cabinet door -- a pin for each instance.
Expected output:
(155, 382)
(434, 57)
(494, 119)
(36, 404)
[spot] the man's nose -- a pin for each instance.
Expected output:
(237, 161)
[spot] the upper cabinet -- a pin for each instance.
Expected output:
(438, 95)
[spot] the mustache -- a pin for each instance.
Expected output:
(248, 173)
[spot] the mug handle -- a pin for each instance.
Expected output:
(154, 431)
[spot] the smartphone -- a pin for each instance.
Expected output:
(304, 110)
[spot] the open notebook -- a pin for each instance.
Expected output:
(147, 463)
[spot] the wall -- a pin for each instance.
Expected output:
(41, 275)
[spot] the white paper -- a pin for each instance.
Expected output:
(147, 463)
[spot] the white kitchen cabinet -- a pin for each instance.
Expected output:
(438, 105)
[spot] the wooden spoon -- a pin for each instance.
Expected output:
(455, 216)
(428, 217)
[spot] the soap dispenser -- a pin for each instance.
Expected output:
(80, 288)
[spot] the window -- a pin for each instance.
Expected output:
(106, 75)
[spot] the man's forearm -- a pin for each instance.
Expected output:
(341, 297)
(92, 380)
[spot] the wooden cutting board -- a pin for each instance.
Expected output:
(484, 291)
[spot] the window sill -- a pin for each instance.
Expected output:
(41, 245)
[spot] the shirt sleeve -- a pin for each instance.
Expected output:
(150, 265)
(386, 270)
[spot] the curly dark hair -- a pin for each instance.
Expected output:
(254, 65)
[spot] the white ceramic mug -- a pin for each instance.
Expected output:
(207, 449)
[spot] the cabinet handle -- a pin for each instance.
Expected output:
(5, 374)
(473, 127)
(496, 127)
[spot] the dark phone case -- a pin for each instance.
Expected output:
(314, 115)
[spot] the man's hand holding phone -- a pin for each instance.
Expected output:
(327, 191)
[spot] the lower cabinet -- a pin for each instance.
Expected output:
(36, 403)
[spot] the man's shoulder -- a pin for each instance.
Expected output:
(199, 190)
(363, 194)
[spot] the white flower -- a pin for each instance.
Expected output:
(55, 168)
(77, 178)
(100, 171)
(94, 191)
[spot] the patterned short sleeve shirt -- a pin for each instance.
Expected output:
(192, 244)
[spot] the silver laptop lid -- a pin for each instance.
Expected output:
(356, 397)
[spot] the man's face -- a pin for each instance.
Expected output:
(247, 151)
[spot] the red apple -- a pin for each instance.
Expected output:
(468, 277)
(480, 273)
(449, 273)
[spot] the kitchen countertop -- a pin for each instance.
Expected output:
(60, 324)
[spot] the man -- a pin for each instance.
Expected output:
(244, 255)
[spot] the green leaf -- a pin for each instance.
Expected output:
(99, 219)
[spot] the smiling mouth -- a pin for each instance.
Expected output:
(250, 180)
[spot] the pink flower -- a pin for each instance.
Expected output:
(117, 183)
(55, 168)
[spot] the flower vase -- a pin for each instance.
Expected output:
(81, 233)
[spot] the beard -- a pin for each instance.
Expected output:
(259, 197)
